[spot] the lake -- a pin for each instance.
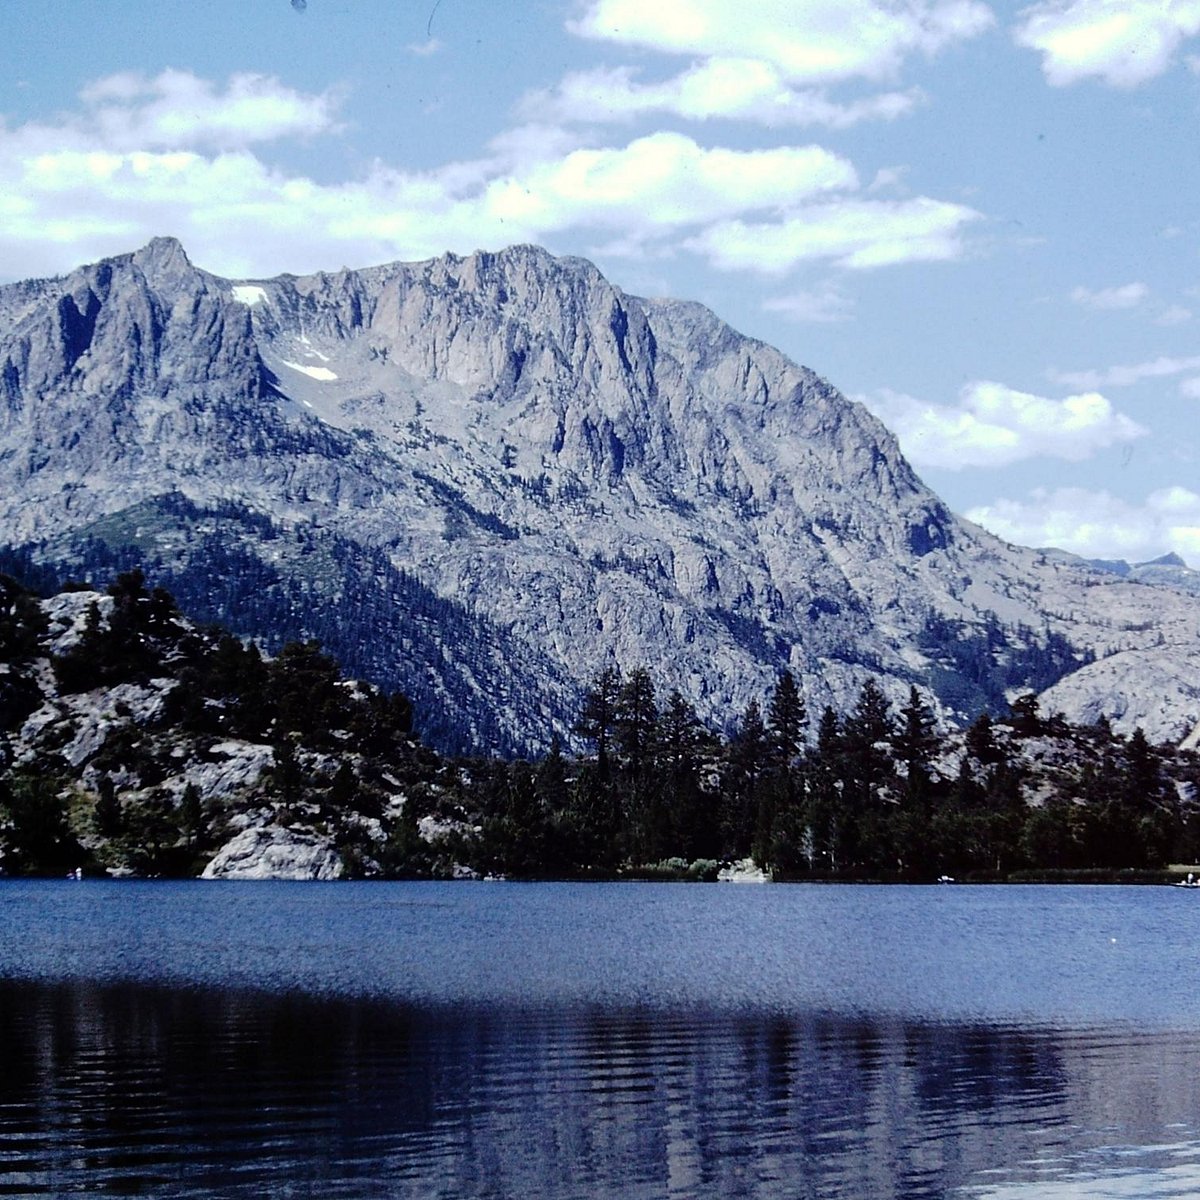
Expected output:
(626, 1040)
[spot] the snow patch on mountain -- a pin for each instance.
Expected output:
(248, 294)
(322, 373)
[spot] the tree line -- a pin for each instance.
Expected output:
(878, 792)
(642, 788)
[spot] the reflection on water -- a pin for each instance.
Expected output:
(579, 1042)
(135, 1089)
(1114, 1173)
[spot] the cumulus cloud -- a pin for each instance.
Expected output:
(663, 180)
(815, 42)
(1122, 42)
(732, 88)
(178, 110)
(1126, 376)
(854, 233)
(995, 426)
(1097, 524)
(132, 165)
(1128, 295)
(771, 62)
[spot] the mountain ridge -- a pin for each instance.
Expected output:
(601, 478)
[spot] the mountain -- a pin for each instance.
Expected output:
(482, 479)
(1168, 569)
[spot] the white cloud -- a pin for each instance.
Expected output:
(1190, 388)
(86, 187)
(1098, 524)
(1128, 295)
(823, 306)
(1122, 42)
(426, 48)
(178, 110)
(853, 233)
(663, 181)
(809, 42)
(995, 426)
(732, 88)
(1126, 376)
(82, 187)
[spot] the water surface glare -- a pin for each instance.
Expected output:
(467, 1040)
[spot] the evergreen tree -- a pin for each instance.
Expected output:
(867, 738)
(636, 731)
(981, 741)
(916, 744)
(1025, 717)
(831, 827)
(108, 809)
(594, 823)
(747, 759)
(304, 686)
(553, 792)
(35, 835)
(405, 854)
(551, 778)
(635, 722)
(692, 827)
(867, 769)
(21, 622)
(191, 816)
(598, 716)
(787, 717)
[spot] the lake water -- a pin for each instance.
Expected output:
(630, 1040)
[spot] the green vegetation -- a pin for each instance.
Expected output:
(160, 740)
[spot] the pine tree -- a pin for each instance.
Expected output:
(636, 721)
(981, 741)
(191, 816)
(598, 715)
(748, 756)
(107, 814)
(690, 819)
(787, 717)
(33, 820)
(867, 737)
(1025, 718)
(916, 743)
(636, 732)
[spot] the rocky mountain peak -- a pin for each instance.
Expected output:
(570, 475)
(164, 262)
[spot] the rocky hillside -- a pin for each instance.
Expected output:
(480, 480)
(134, 742)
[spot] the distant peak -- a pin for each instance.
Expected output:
(1171, 559)
(163, 250)
(164, 262)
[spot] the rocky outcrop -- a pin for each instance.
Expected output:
(273, 852)
(590, 476)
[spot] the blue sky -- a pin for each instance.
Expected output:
(982, 220)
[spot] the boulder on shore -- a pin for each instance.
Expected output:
(272, 852)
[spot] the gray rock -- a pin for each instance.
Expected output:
(272, 852)
(600, 478)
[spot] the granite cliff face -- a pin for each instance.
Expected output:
(500, 472)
